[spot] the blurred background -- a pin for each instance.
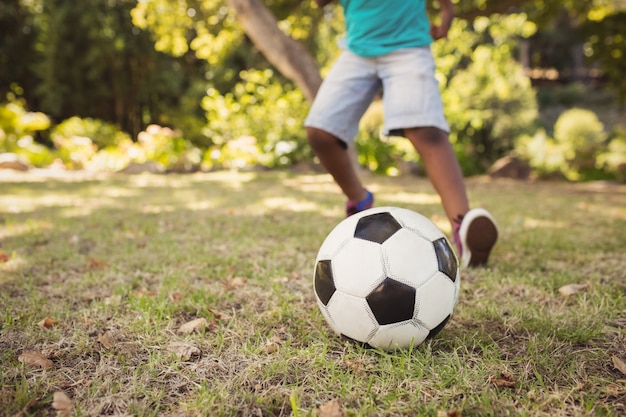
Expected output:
(531, 88)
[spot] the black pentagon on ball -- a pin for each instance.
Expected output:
(324, 282)
(376, 227)
(446, 259)
(392, 302)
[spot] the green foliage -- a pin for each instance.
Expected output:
(167, 147)
(568, 95)
(580, 136)
(78, 141)
(378, 153)
(606, 44)
(101, 133)
(135, 63)
(18, 31)
(18, 127)
(488, 99)
(87, 59)
(613, 159)
(577, 151)
(262, 107)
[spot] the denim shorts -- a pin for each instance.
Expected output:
(410, 93)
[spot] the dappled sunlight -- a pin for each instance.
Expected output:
(115, 192)
(411, 198)
(22, 228)
(312, 183)
(531, 223)
(28, 203)
(14, 264)
(288, 203)
(201, 205)
(228, 177)
(616, 212)
(77, 210)
(156, 209)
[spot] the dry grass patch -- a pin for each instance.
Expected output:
(192, 295)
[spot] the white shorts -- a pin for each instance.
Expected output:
(411, 96)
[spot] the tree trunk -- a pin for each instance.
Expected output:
(286, 54)
(283, 52)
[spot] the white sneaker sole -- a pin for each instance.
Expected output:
(478, 234)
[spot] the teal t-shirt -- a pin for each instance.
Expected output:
(377, 27)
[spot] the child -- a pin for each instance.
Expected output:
(387, 46)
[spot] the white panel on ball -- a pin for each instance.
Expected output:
(359, 264)
(327, 317)
(352, 315)
(337, 237)
(435, 300)
(410, 258)
(392, 336)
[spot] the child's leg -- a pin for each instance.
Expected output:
(443, 169)
(334, 157)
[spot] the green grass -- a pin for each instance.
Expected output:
(122, 262)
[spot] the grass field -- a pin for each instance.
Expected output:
(192, 295)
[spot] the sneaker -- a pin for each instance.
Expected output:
(353, 207)
(474, 236)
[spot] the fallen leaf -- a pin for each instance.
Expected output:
(62, 403)
(47, 323)
(4, 257)
(271, 346)
(96, 264)
(504, 381)
(218, 314)
(72, 384)
(184, 351)
(113, 300)
(332, 409)
(453, 413)
(105, 340)
(36, 359)
(234, 283)
(615, 389)
(571, 289)
(356, 366)
(619, 364)
(196, 325)
(176, 296)
(144, 292)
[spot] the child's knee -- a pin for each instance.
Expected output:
(427, 136)
(322, 140)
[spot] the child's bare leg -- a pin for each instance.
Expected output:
(334, 157)
(442, 167)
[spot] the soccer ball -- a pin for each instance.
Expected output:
(386, 277)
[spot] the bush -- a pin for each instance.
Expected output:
(613, 158)
(578, 150)
(489, 101)
(580, 135)
(260, 107)
(18, 128)
(167, 147)
(102, 134)
(78, 140)
(381, 154)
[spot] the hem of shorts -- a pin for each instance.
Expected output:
(339, 135)
(412, 124)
